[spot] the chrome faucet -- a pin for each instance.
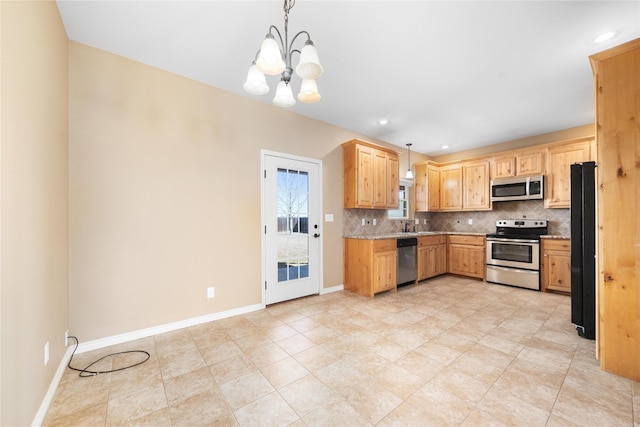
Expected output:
(406, 227)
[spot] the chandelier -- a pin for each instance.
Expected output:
(273, 59)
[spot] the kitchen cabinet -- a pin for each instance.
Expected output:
(451, 188)
(476, 186)
(432, 256)
(466, 255)
(427, 188)
(558, 179)
(555, 268)
(371, 176)
(520, 163)
(369, 266)
(617, 89)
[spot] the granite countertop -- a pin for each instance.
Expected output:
(401, 235)
(554, 236)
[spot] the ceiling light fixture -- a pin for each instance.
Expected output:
(273, 59)
(383, 122)
(604, 37)
(445, 147)
(409, 174)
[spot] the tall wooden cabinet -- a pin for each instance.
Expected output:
(426, 187)
(476, 186)
(371, 176)
(617, 89)
(451, 188)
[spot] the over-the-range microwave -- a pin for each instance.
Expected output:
(517, 188)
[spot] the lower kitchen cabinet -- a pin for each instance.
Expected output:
(369, 265)
(432, 256)
(466, 255)
(555, 268)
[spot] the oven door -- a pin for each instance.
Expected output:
(516, 253)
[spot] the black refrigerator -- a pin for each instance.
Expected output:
(583, 248)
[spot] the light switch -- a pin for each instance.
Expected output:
(328, 217)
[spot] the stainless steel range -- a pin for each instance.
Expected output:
(513, 252)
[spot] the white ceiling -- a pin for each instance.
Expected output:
(462, 74)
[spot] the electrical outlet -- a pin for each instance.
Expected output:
(374, 221)
(66, 338)
(211, 292)
(417, 221)
(470, 221)
(363, 222)
(46, 353)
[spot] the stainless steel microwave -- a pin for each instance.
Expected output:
(517, 188)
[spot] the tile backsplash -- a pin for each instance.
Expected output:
(559, 220)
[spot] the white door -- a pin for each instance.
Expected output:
(291, 194)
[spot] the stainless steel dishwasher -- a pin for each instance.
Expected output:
(406, 271)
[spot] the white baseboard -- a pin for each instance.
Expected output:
(155, 330)
(48, 398)
(336, 288)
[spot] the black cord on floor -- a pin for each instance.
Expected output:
(87, 373)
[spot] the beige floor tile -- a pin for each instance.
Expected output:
(270, 410)
(448, 351)
(175, 364)
(180, 388)
(136, 405)
(461, 385)
(231, 369)
(308, 394)
(241, 391)
(207, 408)
(335, 414)
(284, 372)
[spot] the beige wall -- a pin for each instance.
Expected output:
(34, 189)
(165, 194)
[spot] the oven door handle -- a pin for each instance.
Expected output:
(517, 270)
(498, 239)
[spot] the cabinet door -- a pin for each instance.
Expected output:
(559, 161)
(384, 270)
(423, 262)
(451, 188)
(393, 182)
(504, 167)
(420, 188)
(466, 260)
(556, 266)
(433, 181)
(440, 255)
(365, 180)
(380, 179)
(529, 163)
(476, 186)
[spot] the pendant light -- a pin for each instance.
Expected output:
(409, 174)
(275, 58)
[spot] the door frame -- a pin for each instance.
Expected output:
(263, 219)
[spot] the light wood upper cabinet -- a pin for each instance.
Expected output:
(558, 179)
(371, 176)
(426, 188)
(451, 188)
(528, 162)
(476, 186)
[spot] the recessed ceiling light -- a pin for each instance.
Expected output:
(445, 147)
(604, 37)
(383, 122)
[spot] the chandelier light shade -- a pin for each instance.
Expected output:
(256, 83)
(409, 174)
(275, 57)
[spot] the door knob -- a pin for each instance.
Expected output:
(316, 235)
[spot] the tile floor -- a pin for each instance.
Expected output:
(449, 351)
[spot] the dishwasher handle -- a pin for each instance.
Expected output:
(406, 242)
